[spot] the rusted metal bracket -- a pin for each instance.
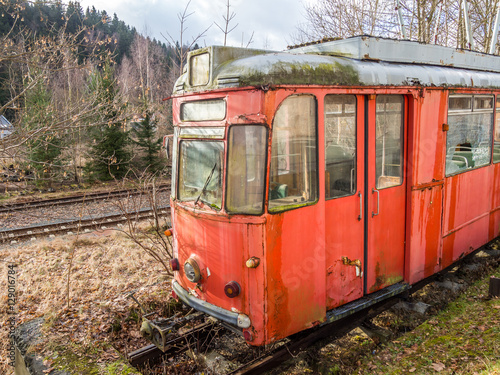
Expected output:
(162, 331)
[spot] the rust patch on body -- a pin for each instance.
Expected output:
(349, 262)
(356, 263)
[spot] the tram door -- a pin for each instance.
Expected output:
(343, 118)
(364, 194)
(385, 191)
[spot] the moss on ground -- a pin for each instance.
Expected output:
(464, 338)
(75, 360)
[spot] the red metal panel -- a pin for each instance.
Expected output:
(462, 242)
(425, 233)
(428, 138)
(295, 260)
(426, 175)
(467, 204)
(295, 256)
(386, 231)
(243, 106)
(221, 245)
(468, 196)
(495, 203)
(344, 235)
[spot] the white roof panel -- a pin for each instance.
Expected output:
(403, 52)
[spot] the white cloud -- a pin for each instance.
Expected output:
(271, 21)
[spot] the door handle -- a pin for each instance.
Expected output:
(360, 217)
(378, 202)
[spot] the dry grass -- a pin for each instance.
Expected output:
(105, 267)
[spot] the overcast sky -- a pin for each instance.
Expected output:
(271, 21)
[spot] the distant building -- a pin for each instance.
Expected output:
(6, 127)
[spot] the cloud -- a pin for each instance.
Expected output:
(271, 21)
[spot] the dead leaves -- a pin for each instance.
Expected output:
(438, 366)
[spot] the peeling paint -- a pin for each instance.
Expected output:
(356, 263)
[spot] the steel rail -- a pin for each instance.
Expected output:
(305, 339)
(78, 225)
(73, 199)
(177, 345)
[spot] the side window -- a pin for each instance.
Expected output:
(340, 145)
(246, 169)
(389, 127)
(468, 140)
(293, 177)
(496, 147)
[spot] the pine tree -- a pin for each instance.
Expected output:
(146, 138)
(44, 149)
(110, 157)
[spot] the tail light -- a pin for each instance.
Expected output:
(174, 264)
(247, 335)
(232, 289)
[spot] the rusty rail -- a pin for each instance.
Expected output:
(73, 199)
(77, 225)
(180, 344)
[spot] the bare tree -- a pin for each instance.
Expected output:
(152, 238)
(227, 20)
(428, 21)
(342, 19)
(49, 61)
(181, 49)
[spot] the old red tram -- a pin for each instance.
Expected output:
(307, 183)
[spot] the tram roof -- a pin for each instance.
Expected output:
(363, 61)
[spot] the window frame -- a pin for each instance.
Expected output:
(298, 205)
(182, 104)
(496, 126)
(471, 110)
(402, 141)
(355, 160)
(266, 161)
(178, 181)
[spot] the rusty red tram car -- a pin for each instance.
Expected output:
(309, 183)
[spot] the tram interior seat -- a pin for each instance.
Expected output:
(278, 191)
(462, 156)
(340, 171)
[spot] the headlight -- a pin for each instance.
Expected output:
(192, 270)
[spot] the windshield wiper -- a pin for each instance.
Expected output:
(206, 184)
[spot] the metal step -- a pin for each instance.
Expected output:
(366, 301)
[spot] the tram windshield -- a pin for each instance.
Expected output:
(200, 172)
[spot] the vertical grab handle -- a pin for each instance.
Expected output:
(378, 202)
(360, 217)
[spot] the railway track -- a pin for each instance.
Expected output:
(74, 199)
(77, 225)
(291, 347)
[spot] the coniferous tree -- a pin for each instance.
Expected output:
(110, 157)
(146, 138)
(45, 149)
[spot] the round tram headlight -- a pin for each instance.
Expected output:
(192, 270)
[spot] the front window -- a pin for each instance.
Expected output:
(246, 166)
(293, 178)
(204, 110)
(200, 172)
